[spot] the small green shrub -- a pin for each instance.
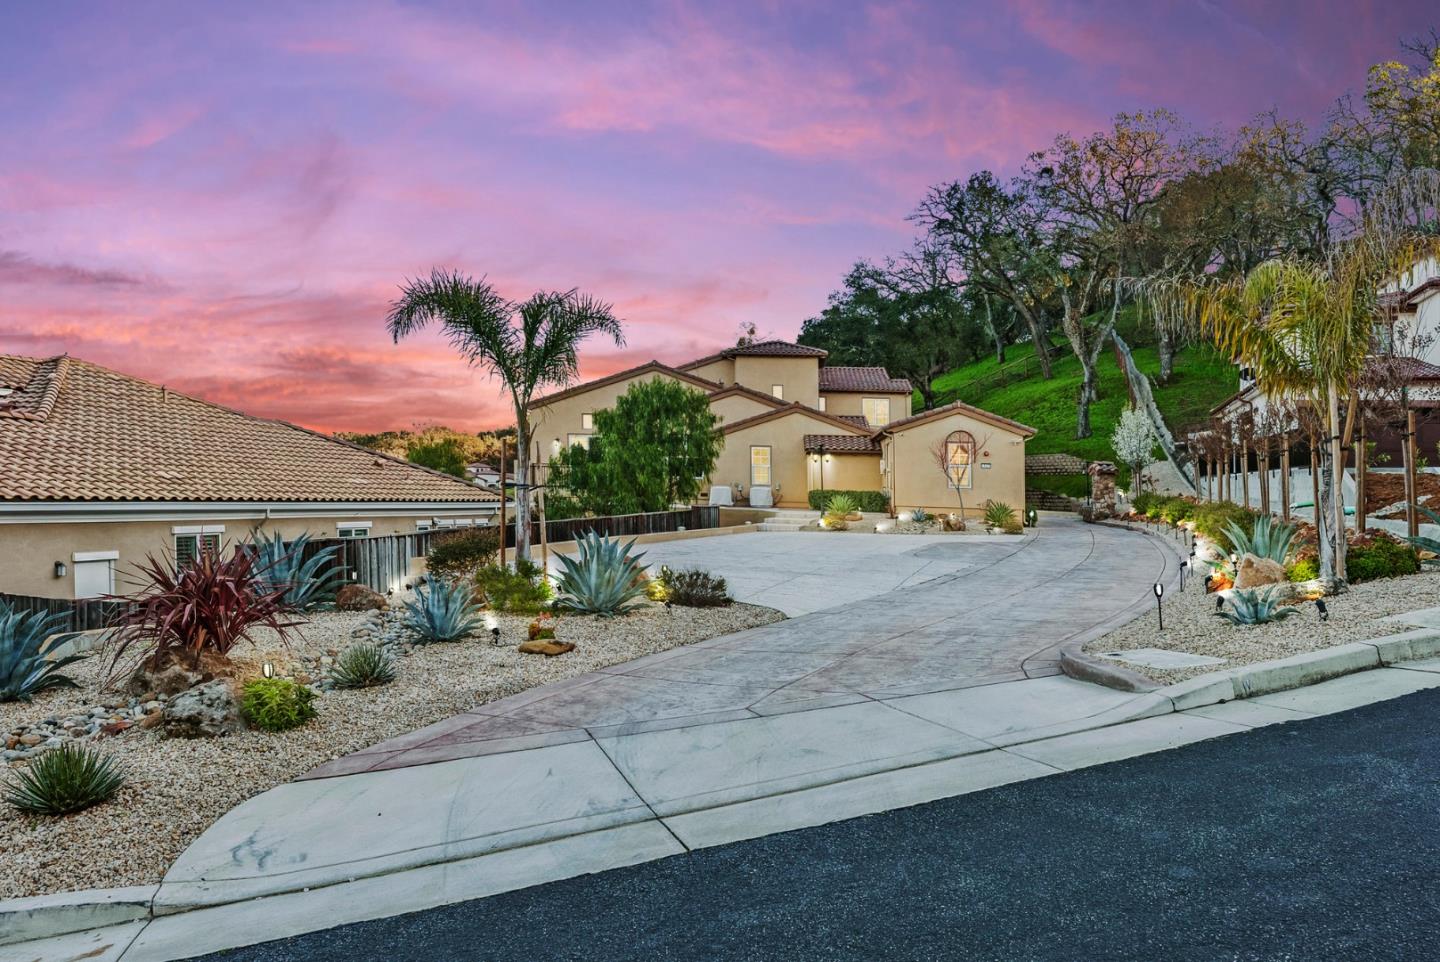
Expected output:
(1380, 557)
(998, 514)
(1143, 501)
(365, 665)
(443, 611)
(522, 590)
(64, 780)
(1176, 510)
(604, 578)
(276, 704)
(1013, 526)
(841, 504)
(458, 555)
(1214, 518)
(873, 501)
(1305, 568)
(695, 588)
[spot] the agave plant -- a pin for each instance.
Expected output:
(64, 780)
(998, 514)
(363, 666)
(1427, 544)
(841, 504)
(442, 612)
(1270, 539)
(1255, 606)
(306, 582)
(603, 580)
(920, 516)
(28, 663)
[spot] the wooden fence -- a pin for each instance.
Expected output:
(383, 562)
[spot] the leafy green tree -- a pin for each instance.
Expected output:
(527, 345)
(446, 456)
(654, 448)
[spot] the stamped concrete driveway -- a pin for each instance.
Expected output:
(917, 692)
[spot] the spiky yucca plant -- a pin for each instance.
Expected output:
(365, 665)
(64, 780)
(1270, 539)
(442, 612)
(605, 578)
(1254, 606)
(841, 504)
(27, 662)
(282, 566)
(998, 514)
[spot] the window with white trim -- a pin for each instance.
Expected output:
(778, 391)
(587, 421)
(188, 547)
(876, 411)
(353, 529)
(759, 465)
(960, 459)
(822, 403)
(94, 573)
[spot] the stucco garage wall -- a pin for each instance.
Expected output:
(852, 472)
(917, 481)
(28, 552)
(786, 438)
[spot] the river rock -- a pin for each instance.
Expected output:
(204, 712)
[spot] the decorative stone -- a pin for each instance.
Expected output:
(547, 648)
(359, 598)
(203, 712)
(1254, 572)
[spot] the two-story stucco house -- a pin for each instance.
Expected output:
(99, 470)
(791, 424)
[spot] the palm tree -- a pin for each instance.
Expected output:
(527, 345)
(1304, 326)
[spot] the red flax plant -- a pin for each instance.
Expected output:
(197, 612)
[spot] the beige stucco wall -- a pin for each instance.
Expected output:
(799, 375)
(28, 551)
(737, 407)
(789, 463)
(849, 472)
(916, 481)
(721, 371)
(844, 402)
(561, 418)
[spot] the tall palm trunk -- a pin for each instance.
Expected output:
(1337, 479)
(521, 487)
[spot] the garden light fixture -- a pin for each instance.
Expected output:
(1159, 610)
(1321, 609)
(268, 669)
(1183, 566)
(1219, 603)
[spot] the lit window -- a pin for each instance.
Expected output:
(960, 459)
(587, 422)
(778, 391)
(822, 404)
(581, 439)
(876, 410)
(760, 466)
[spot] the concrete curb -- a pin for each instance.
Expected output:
(45, 916)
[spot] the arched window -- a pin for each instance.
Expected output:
(960, 459)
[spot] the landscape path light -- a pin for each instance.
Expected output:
(1159, 609)
(268, 670)
(1321, 609)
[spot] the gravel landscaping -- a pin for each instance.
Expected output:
(178, 787)
(1191, 625)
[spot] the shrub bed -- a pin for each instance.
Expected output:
(874, 501)
(457, 555)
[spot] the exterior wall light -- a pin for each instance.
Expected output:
(60, 569)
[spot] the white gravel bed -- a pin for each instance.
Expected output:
(1192, 626)
(179, 787)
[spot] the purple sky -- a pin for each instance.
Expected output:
(224, 197)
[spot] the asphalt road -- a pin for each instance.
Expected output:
(1315, 840)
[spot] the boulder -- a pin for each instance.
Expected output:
(177, 674)
(548, 648)
(359, 598)
(1254, 572)
(204, 712)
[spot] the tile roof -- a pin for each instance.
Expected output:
(794, 407)
(957, 407)
(840, 379)
(758, 349)
(675, 372)
(841, 444)
(1410, 368)
(75, 431)
(856, 419)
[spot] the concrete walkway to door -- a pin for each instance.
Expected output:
(918, 692)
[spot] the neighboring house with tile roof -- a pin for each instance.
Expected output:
(99, 469)
(793, 424)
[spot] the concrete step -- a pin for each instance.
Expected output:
(781, 525)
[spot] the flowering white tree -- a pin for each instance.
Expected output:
(1133, 440)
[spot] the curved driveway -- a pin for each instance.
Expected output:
(931, 686)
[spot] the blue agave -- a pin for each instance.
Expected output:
(306, 583)
(1255, 606)
(603, 580)
(442, 612)
(27, 661)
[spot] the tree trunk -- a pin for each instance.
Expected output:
(522, 490)
(927, 394)
(1337, 481)
(1166, 348)
(1087, 394)
(1412, 493)
(990, 326)
(1362, 468)
(1285, 477)
(1324, 521)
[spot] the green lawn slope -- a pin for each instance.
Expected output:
(1202, 379)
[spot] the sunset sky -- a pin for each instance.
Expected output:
(224, 197)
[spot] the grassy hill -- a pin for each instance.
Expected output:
(1202, 379)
